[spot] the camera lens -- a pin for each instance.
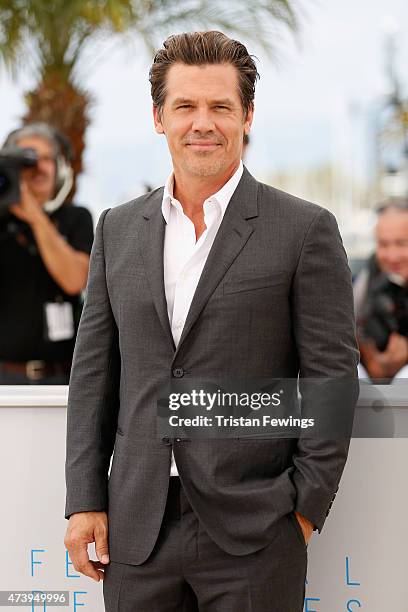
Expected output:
(4, 183)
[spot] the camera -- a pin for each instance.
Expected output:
(12, 160)
(385, 310)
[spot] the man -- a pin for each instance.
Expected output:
(214, 275)
(381, 298)
(45, 244)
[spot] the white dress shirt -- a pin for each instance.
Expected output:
(184, 257)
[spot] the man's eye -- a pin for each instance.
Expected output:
(221, 106)
(184, 106)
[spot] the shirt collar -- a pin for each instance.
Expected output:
(223, 195)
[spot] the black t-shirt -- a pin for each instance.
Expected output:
(26, 286)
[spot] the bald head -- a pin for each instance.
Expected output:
(392, 241)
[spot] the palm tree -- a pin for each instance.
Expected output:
(49, 37)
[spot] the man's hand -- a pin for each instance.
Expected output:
(385, 364)
(395, 355)
(28, 209)
(306, 525)
(67, 266)
(84, 528)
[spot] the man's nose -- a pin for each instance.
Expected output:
(44, 160)
(203, 121)
(394, 255)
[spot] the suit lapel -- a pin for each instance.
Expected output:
(231, 237)
(151, 247)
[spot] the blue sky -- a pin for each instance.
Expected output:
(302, 103)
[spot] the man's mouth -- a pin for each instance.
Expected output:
(203, 145)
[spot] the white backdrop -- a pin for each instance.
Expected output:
(359, 562)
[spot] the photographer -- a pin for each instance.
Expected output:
(44, 253)
(381, 298)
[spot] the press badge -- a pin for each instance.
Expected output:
(59, 317)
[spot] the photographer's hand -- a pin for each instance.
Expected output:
(395, 355)
(28, 209)
(385, 364)
(67, 266)
(370, 358)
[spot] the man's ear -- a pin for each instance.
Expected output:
(158, 126)
(249, 119)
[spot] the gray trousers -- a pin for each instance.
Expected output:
(188, 572)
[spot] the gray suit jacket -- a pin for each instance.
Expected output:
(274, 300)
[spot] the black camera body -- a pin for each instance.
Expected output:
(12, 161)
(386, 311)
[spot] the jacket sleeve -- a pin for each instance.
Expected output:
(324, 328)
(93, 399)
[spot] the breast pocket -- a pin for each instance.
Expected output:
(250, 284)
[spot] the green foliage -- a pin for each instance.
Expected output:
(40, 35)
(48, 38)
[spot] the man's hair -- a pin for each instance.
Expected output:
(198, 49)
(38, 129)
(395, 204)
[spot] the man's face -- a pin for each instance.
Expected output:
(392, 242)
(41, 178)
(203, 119)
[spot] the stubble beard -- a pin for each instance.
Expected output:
(204, 167)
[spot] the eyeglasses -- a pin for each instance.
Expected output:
(45, 158)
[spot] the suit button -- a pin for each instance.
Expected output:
(166, 441)
(178, 372)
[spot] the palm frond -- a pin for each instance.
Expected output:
(61, 29)
(264, 23)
